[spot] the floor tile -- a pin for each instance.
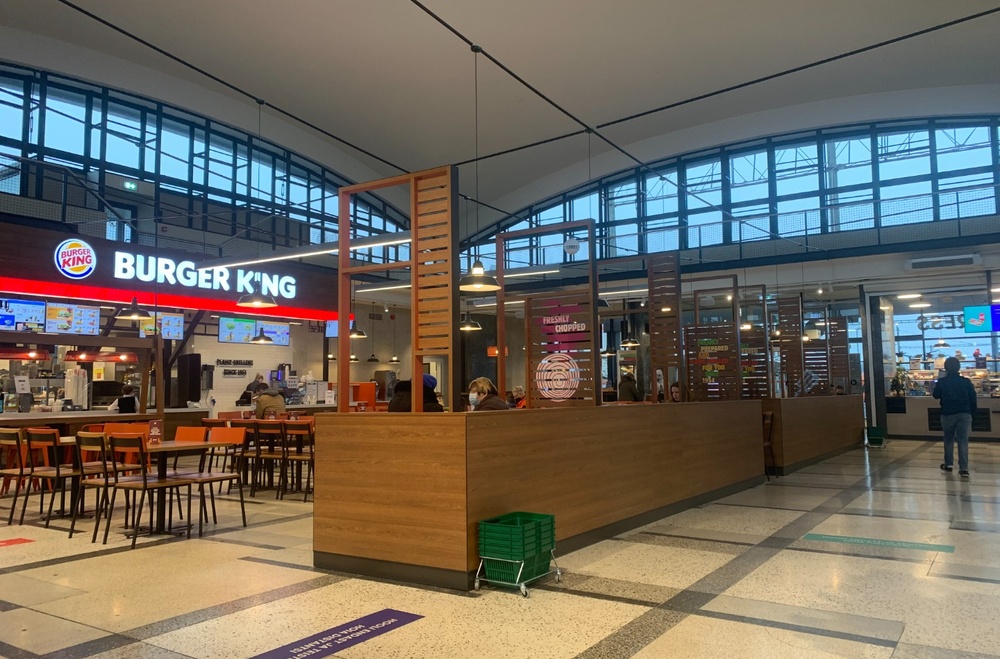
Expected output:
(40, 633)
(660, 566)
(25, 591)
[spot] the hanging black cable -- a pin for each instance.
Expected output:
(227, 85)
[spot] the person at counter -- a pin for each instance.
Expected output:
(958, 404)
(403, 396)
(270, 401)
(628, 390)
(483, 395)
(257, 385)
(127, 403)
(675, 392)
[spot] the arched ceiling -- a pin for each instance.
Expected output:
(388, 77)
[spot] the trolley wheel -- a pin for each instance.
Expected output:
(558, 576)
(524, 590)
(477, 583)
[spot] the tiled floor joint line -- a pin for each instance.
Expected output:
(817, 631)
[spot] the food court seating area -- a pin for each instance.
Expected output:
(114, 474)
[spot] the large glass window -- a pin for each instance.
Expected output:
(65, 121)
(904, 154)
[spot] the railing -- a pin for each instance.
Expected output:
(841, 226)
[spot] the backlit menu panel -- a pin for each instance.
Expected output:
(61, 318)
(236, 330)
(20, 315)
(278, 332)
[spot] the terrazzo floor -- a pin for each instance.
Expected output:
(874, 553)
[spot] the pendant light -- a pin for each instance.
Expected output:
(373, 359)
(133, 312)
(256, 299)
(261, 338)
(477, 280)
(629, 342)
(395, 358)
(467, 324)
(356, 332)
(354, 359)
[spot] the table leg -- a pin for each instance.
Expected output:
(161, 495)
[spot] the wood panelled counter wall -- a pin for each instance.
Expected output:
(399, 495)
(812, 428)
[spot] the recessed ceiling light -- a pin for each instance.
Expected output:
(908, 296)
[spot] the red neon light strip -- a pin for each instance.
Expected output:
(120, 296)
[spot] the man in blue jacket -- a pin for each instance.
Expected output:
(958, 404)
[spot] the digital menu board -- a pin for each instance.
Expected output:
(236, 330)
(61, 318)
(981, 319)
(278, 332)
(332, 327)
(171, 326)
(19, 315)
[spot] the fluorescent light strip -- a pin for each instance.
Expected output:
(908, 296)
(634, 291)
(493, 304)
(394, 287)
(528, 274)
(369, 242)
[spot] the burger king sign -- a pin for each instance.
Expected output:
(75, 259)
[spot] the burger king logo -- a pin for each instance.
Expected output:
(75, 259)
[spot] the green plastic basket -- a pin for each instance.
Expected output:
(876, 436)
(517, 535)
(505, 572)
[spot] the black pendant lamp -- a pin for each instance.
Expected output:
(476, 280)
(395, 358)
(133, 312)
(354, 359)
(255, 300)
(261, 338)
(469, 325)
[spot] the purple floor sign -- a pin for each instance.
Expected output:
(342, 636)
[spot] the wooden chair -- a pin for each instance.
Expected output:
(215, 423)
(16, 467)
(98, 464)
(230, 415)
(145, 483)
(300, 440)
(42, 443)
(270, 441)
(203, 477)
(768, 447)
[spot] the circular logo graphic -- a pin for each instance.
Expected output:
(557, 376)
(75, 259)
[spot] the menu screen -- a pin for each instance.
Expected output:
(171, 326)
(277, 331)
(980, 319)
(18, 315)
(332, 327)
(236, 330)
(72, 319)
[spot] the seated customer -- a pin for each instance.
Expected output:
(519, 399)
(127, 403)
(483, 396)
(628, 390)
(403, 396)
(270, 401)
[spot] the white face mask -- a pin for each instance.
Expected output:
(473, 399)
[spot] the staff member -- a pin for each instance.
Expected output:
(127, 403)
(257, 385)
(958, 404)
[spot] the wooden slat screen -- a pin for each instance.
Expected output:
(754, 363)
(790, 343)
(816, 358)
(840, 365)
(712, 357)
(435, 312)
(562, 367)
(665, 353)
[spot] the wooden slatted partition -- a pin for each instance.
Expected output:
(840, 366)
(816, 359)
(713, 360)
(665, 351)
(435, 280)
(562, 367)
(755, 363)
(790, 343)
(433, 270)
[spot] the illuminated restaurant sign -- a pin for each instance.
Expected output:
(162, 270)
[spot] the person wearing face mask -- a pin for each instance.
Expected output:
(483, 396)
